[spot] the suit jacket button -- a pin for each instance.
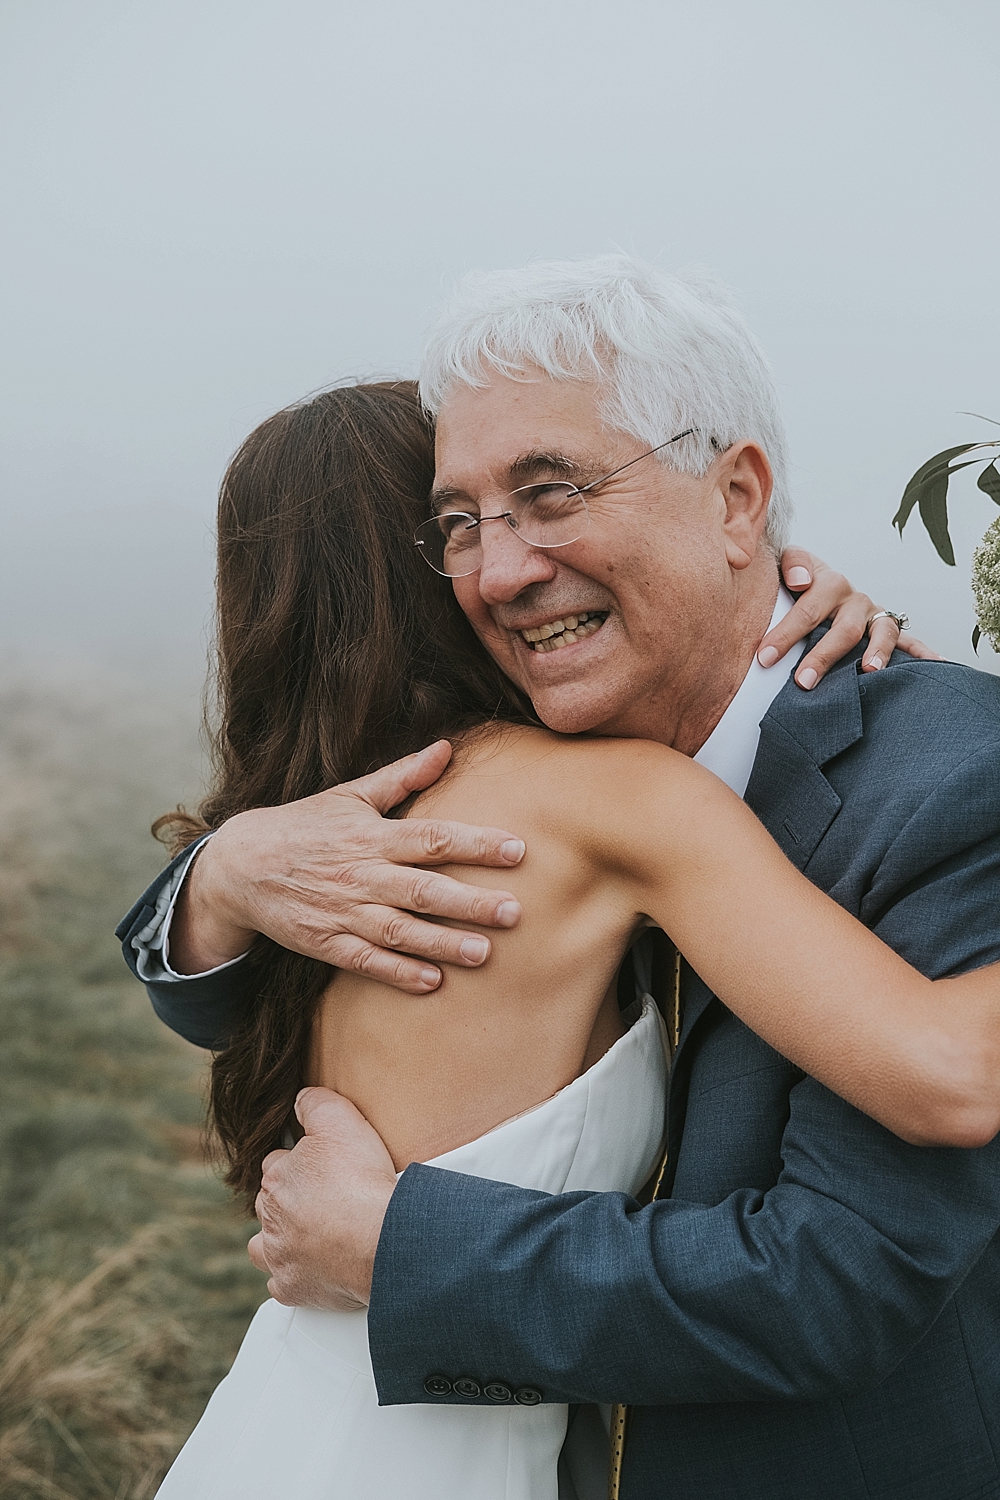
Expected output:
(466, 1387)
(528, 1395)
(437, 1385)
(497, 1391)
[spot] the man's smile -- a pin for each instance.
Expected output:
(553, 635)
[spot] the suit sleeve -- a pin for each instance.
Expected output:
(811, 1289)
(200, 1007)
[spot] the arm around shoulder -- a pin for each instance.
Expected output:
(921, 1055)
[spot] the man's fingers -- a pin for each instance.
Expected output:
(392, 784)
(435, 841)
(272, 1158)
(318, 1108)
(345, 1136)
(403, 971)
(413, 976)
(322, 1110)
(398, 931)
(428, 893)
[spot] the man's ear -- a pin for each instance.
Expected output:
(745, 483)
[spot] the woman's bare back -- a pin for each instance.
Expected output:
(615, 830)
(431, 1072)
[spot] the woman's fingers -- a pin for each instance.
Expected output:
(884, 635)
(827, 595)
(797, 567)
(843, 635)
(905, 642)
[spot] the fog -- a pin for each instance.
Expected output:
(214, 208)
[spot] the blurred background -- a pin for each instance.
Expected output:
(215, 208)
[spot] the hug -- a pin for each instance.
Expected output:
(605, 1020)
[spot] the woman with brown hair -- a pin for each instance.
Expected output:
(338, 651)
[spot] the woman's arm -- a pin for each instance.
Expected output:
(921, 1056)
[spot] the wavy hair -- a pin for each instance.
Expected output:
(338, 651)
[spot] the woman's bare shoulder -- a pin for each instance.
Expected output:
(572, 781)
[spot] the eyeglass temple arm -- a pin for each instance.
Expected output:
(648, 454)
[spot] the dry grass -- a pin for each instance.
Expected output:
(124, 1284)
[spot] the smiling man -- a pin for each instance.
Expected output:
(644, 664)
(809, 1310)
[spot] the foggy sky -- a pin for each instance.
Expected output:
(214, 207)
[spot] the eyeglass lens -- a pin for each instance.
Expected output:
(541, 515)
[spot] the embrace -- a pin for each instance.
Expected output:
(606, 1019)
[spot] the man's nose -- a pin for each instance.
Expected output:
(510, 565)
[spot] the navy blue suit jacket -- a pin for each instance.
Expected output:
(813, 1312)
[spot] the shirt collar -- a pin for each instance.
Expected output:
(731, 748)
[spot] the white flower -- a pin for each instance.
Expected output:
(986, 584)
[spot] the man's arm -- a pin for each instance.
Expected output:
(790, 1294)
(810, 1289)
(200, 1007)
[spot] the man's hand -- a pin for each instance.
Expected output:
(823, 595)
(331, 878)
(321, 1207)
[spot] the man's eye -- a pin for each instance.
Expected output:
(551, 500)
(455, 522)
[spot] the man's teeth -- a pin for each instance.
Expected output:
(560, 633)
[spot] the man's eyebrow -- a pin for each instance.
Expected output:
(528, 466)
(445, 498)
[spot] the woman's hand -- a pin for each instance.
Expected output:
(825, 594)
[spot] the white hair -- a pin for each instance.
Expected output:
(670, 352)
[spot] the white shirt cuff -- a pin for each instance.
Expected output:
(152, 942)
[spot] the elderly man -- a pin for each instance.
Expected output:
(809, 1308)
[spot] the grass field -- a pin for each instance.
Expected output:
(123, 1275)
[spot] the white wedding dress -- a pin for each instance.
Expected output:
(297, 1417)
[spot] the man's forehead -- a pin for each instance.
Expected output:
(513, 432)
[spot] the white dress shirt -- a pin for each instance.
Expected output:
(731, 748)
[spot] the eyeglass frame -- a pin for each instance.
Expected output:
(508, 516)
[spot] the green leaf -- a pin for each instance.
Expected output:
(976, 633)
(928, 491)
(989, 482)
(933, 506)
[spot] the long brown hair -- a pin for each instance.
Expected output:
(338, 650)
